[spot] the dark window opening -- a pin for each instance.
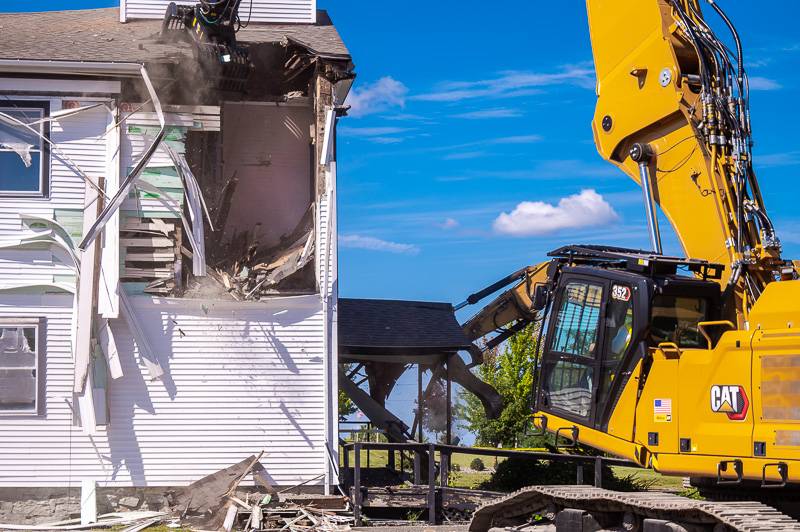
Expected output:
(675, 319)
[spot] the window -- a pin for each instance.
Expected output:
(570, 387)
(24, 156)
(675, 320)
(577, 320)
(19, 366)
(619, 333)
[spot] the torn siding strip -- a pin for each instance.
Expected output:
(197, 208)
(49, 237)
(108, 344)
(115, 202)
(108, 298)
(85, 300)
(145, 350)
(328, 138)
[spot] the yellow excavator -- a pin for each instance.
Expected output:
(687, 365)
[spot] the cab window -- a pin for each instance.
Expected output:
(577, 321)
(675, 320)
(619, 333)
(570, 387)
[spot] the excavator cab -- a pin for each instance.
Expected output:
(604, 317)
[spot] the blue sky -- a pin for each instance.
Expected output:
(466, 112)
(461, 113)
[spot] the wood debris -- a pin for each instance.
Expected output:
(249, 271)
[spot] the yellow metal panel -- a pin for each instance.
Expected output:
(718, 379)
(622, 418)
(778, 307)
(594, 438)
(706, 466)
(661, 385)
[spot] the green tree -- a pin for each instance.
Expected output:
(511, 373)
(346, 406)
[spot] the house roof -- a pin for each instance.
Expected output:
(97, 35)
(391, 327)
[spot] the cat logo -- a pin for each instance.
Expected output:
(732, 400)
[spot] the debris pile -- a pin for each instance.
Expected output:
(213, 503)
(249, 271)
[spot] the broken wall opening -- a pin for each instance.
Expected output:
(257, 178)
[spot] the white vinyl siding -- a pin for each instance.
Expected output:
(291, 11)
(239, 379)
(79, 142)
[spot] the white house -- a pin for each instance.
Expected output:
(159, 325)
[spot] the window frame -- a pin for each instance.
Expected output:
(44, 158)
(37, 323)
(552, 358)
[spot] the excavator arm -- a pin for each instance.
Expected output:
(514, 306)
(673, 113)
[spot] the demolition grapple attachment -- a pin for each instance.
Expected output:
(212, 27)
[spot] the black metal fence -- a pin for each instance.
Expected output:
(429, 450)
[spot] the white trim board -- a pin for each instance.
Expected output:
(60, 86)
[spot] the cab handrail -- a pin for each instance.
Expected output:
(703, 324)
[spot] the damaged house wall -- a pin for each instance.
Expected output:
(237, 376)
(184, 374)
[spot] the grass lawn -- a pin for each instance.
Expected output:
(466, 478)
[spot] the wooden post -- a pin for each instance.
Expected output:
(449, 412)
(419, 401)
(598, 472)
(431, 484)
(444, 468)
(417, 467)
(357, 485)
(579, 480)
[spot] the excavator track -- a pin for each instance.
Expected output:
(586, 508)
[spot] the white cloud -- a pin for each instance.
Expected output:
(460, 156)
(532, 218)
(758, 83)
(483, 114)
(509, 84)
(371, 131)
(402, 117)
(379, 135)
(776, 160)
(449, 223)
(386, 93)
(376, 244)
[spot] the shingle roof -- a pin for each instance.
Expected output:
(97, 35)
(388, 327)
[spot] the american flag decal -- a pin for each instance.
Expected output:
(662, 406)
